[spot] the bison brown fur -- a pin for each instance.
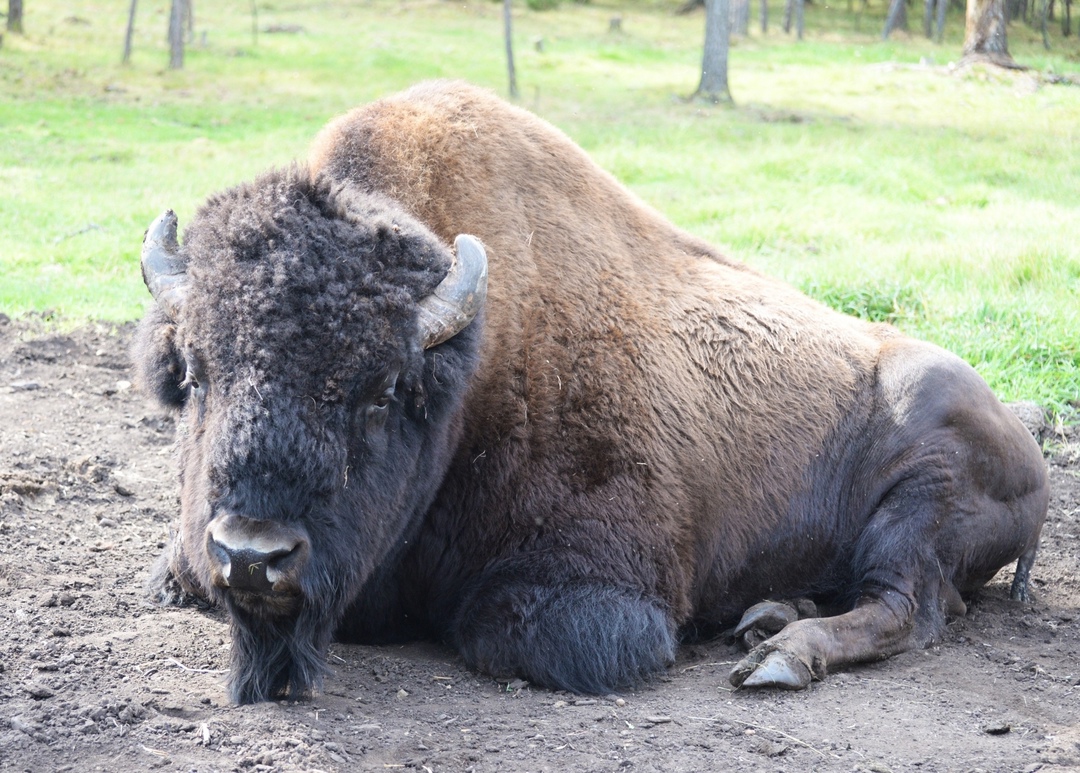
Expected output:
(633, 441)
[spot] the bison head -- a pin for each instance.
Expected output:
(316, 342)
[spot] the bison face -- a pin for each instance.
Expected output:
(317, 349)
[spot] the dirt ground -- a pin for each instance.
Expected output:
(93, 678)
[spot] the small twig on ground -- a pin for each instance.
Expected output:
(756, 726)
(178, 664)
(702, 665)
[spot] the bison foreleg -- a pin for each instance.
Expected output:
(803, 651)
(572, 634)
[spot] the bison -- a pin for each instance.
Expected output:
(566, 445)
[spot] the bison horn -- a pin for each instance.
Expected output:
(457, 299)
(163, 270)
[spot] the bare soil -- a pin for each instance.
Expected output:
(93, 678)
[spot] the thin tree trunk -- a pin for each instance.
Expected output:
(928, 19)
(740, 17)
(14, 18)
(941, 6)
(1066, 19)
(714, 62)
(984, 34)
(176, 35)
(507, 25)
(789, 10)
(1044, 23)
(189, 7)
(765, 16)
(896, 19)
(129, 32)
(800, 18)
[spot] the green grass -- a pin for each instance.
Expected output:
(862, 171)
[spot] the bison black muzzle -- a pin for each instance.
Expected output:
(255, 556)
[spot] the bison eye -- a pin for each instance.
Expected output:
(378, 410)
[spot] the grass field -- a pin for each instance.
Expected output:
(862, 171)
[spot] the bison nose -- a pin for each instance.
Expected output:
(256, 556)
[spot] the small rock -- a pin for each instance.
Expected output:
(123, 490)
(875, 767)
(24, 386)
(620, 702)
(59, 632)
(997, 728)
(107, 523)
(89, 727)
(402, 693)
(23, 726)
(39, 692)
(769, 748)
(658, 720)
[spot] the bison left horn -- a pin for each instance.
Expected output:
(163, 270)
(457, 299)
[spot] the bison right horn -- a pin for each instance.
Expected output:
(163, 270)
(459, 296)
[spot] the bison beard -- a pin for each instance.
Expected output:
(630, 440)
(274, 658)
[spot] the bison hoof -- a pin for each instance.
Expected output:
(778, 669)
(764, 620)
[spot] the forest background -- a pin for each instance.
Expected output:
(874, 174)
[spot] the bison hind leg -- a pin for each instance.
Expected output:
(580, 635)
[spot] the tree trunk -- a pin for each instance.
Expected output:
(800, 18)
(928, 19)
(189, 20)
(1043, 24)
(896, 19)
(176, 35)
(509, 50)
(789, 8)
(130, 32)
(941, 5)
(765, 16)
(984, 34)
(14, 16)
(740, 17)
(714, 62)
(1066, 19)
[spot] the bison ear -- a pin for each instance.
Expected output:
(159, 366)
(460, 295)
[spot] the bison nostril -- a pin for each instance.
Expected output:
(256, 556)
(252, 569)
